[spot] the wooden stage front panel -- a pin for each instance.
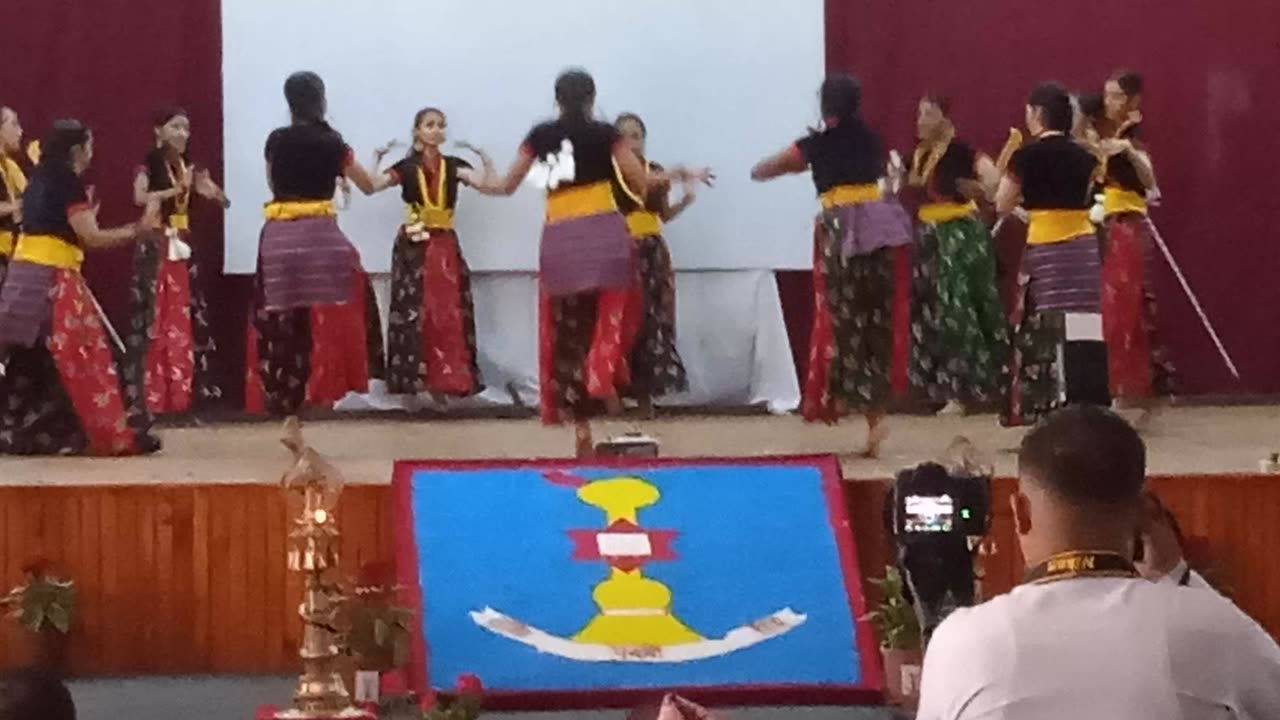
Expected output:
(191, 578)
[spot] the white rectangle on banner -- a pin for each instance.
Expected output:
(718, 82)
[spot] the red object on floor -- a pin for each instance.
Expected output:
(268, 712)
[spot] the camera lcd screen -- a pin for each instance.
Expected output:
(929, 513)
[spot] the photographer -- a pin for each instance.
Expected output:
(1085, 636)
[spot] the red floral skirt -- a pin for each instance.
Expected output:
(64, 394)
(431, 333)
(1138, 364)
(310, 356)
(584, 347)
(858, 354)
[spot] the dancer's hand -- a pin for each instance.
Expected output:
(382, 152)
(702, 175)
(207, 188)
(1113, 146)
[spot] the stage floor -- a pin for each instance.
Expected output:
(1181, 440)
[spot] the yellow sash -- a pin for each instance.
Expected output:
(642, 224)
(14, 180)
(180, 221)
(1051, 226)
(296, 210)
(48, 250)
(1116, 201)
(6, 243)
(582, 201)
(850, 195)
(938, 213)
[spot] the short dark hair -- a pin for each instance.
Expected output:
(32, 694)
(1086, 455)
(1054, 100)
(1129, 81)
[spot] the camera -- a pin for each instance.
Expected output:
(934, 517)
(928, 499)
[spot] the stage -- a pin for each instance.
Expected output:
(179, 558)
(1183, 440)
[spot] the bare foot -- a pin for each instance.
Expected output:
(647, 411)
(877, 431)
(613, 405)
(584, 445)
(953, 408)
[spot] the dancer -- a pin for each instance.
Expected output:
(169, 337)
(656, 367)
(309, 337)
(851, 344)
(586, 270)
(1058, 355)
(958, 324)
(431, 332)
(14, 169)
(63, 392)
(1138, 363)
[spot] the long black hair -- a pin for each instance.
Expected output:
(575, 93)
(1054, 102)
(64, 135)
(304, 91)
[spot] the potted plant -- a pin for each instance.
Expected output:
(44, 607)
(377, 634)
(900, 641)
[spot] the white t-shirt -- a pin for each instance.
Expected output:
(1101, 649)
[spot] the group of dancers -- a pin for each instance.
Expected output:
(72, 385)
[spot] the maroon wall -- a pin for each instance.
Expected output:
(1210, 109)
(112, 65)
(1211, 106)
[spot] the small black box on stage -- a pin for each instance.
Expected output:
(629, 445)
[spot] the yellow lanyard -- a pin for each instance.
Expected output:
(440, 187)
(922, 168)
(182, 200)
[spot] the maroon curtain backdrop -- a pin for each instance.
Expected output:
(1211, 105)
(112, 65)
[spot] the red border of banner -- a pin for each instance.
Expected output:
(868, 692)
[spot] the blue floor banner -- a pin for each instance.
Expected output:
(595, 583)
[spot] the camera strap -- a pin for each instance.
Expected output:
(1080, 563)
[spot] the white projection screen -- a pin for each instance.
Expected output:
(718, 82)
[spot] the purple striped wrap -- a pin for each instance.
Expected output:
(305, 262)
(26, 303)
(869, 226)
(586, 253)
(1065, 275)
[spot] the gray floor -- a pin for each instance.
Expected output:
(236, 698)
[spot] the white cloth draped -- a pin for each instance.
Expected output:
(729, 326)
